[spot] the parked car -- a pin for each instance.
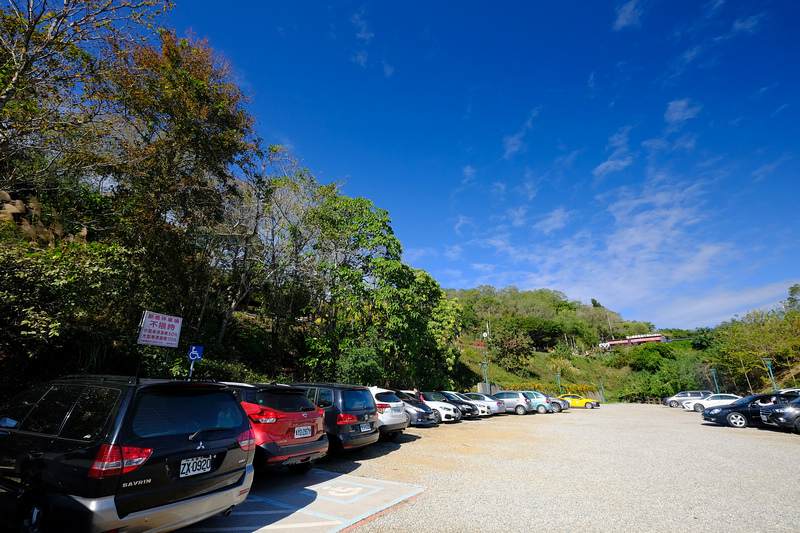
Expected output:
(785, 416)
(558, 404)
(351, 417)
(576, 400)
(711, 400)
(289, 429)
(442, 410)
(540, 401)
(676, 400)
(495, 405)
(101, 453)
(417, 413)
(516, 402)
(483, 409)
(745, 411)
(466, 409)
(392, 419)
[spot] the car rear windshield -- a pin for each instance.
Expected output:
(288, 402)
(530, 395)
(159, 413)
(387, 397)
(358, 399)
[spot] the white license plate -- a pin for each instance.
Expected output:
(365, 427)
(195, 465)
(302, 431)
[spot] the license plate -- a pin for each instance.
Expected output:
(365, 427)
(302, 431)
(195, 465)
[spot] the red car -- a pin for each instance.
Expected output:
(289, 429)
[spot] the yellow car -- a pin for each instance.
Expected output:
(579, 401)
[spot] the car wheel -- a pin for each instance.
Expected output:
(797, 424)
(520, 409)
(408, 419)
(437, 416)
(541, 409)
(674, 403)
(737, 420)
(590, 405)
(458, 414)
(556, 407)
(699, 407)
(300, 468)
(34, 516)
(393, 435)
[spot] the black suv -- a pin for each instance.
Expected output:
(351, 417)
(785, 416)
(100, 453)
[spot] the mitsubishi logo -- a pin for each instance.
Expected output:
(200, 446)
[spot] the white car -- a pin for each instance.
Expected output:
(442, 411)
(483, 410)
(392, 420)
(495, 405)
(712, 400)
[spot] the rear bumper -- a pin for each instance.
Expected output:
(97, 515)
(357, 440)
(271, 454)
(390, 428)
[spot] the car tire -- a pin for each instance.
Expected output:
(408, 419)
(458, 414)
(541, 409)
(590, 405)
(698, 407)
(520, 410)
(797, 424)
(737, 420)
(437, 416)
(556, 407)
(34, 515)
(300, 468)
(392, 436)
(674, 403)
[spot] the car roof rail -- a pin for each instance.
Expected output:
(101, 377)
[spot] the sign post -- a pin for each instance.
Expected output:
(195, 354)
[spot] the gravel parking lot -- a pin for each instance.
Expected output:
(619, 468)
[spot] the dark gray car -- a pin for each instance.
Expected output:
(351, 416)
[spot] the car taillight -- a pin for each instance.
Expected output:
(499, 403)
(382, 407)
(547, 401)
(322, 412)
(346, 419)
(266, 417)
(247, 440)
(115, 460)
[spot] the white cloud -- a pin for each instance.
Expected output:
(469, 173)
(628, 14)
(517, 216)
(413, 255)
(388, 70)
(679, 111)
(555, 219)
(461, 222)
(620, 157)
(363, 32)
(513, 143)
(360, 58)
(453, 253)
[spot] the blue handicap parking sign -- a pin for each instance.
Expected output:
(195, 353)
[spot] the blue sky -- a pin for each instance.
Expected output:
(642, 153)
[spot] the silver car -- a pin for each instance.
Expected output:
(516, 402)
(495, 405)
(684, 396)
